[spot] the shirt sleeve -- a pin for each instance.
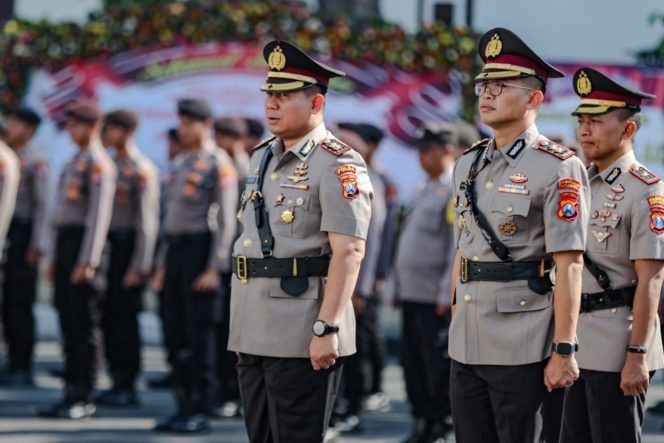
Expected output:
(647, 225)
(567, 208)
(345, 196)
(147, 220)
(40, 194)
(226, 196)
(101, 178)
(9, 177)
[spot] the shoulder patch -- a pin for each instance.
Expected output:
(640, 172)
(264, 143)
(554, 149)
(335, 146)
(480, 144)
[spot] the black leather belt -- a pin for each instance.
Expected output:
(611, 298)
(502, 271)
(246, 268)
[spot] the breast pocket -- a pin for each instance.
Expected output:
(605, 235)
(290, 218)
(515, 300)
(431, 218)
(510, 217)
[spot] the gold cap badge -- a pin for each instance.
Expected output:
(277, 59)
(583, 85)
(494, 47)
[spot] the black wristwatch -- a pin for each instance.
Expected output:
(564, 349)
(321, 328)
(636, 349)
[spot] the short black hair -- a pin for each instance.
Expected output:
(634, 115)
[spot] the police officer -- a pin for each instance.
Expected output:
(521, 205)
(358, 371)
(230, 134)
(26, 244)
(309, 197)
(422, 286)
(199, 226)
(624, 265)
(84, 205)
(132, 236)
(255, 131)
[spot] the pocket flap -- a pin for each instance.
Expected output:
(511, 205)
(522, 301)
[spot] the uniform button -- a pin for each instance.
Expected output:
(475, 258)
(290, 201)
(509, 209)
(614, 310)
(247, 243)
(467, 298)
(523, 303)
(299, 201)
(274, 177)
(489, 184)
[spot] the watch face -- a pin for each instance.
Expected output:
(564, 349)
(319, 327)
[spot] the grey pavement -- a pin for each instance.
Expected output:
(18, 407)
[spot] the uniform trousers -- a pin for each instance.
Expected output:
(285, 400)
(120, 313)
(497, 404)
(227, 360)
(190, 321)
(597, 411)
(425, 361)
(79, 307)
(19, 291)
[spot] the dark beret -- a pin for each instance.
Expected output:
(123, 118)
(84, 110)
(27, 115)
(194, 108)
(235, 127)
(254, 127)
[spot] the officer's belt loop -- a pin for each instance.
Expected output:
(542, 269)
(242, 271)
(464, 270)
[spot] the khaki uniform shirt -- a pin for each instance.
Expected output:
(85, 198)
(202, 196)
(9, 179)
(624, 226)
(537, 204)
(425, 252)
(136, 206)
(32, 201)
(264, 319)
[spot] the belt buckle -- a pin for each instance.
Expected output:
(464, 270)
(242, 268)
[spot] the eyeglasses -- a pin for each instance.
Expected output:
(495, 88)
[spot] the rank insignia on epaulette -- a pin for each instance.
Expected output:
(643, 174)
(561, 152)
(334, 146)
(264, 142)
(480, 144)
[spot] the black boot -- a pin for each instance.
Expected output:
(77, 405)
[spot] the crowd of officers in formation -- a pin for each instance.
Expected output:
(255, 249)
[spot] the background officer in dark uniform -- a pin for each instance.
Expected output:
(422, 286)
(309, 197)
(618, 330)
(132, 236)
(82, 215)
(199, 228)
(27, 243)
(521, 204)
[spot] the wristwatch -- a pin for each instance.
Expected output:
(564, 349)
(636, 349)
(321, 328)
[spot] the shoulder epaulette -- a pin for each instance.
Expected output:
(335, 146)
(264, 143)
(480, 144)
(640, 172)
(554, 149)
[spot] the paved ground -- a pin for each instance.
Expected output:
(18, 407)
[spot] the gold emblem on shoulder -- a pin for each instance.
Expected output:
(277, 59)
(494, 47)
(583, 85)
